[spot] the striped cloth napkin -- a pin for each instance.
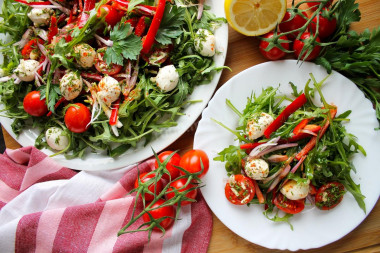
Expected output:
(49, 208)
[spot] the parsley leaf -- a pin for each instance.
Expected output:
(170, 27)
(125, 45)
(132, 4)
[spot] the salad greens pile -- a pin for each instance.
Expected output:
(144, 108)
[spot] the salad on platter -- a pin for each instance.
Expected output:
(102, 75)
(290, 156)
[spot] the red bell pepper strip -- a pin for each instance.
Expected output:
(249, 146)
(259, 194)
(53, 29)
(312, 128)
(29, 47)
(114, 112)
(96, 77)
(60, 101)
(151, 35)
(311, 144)
(284, 115)
(300, 126)
(88, 6)
(141, 25)
(33, 3)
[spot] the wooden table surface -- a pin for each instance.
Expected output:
(243, 53)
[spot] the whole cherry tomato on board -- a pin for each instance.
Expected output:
(154, 187)
(179, 185)
(161, 212)
(329, 195)
(33, 104)
(275, 53)
(174, 161)
(292, 21)
(191, 162)
(239, 190)
(326, 26)
(77, 118)
(299, 44)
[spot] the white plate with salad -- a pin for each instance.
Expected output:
(132, 76)
(312, 227)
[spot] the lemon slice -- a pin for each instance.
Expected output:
(254, 17)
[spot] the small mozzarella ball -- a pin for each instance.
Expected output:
(71, 85)
(86, 55)
(294, 191)
(109, 90)
(204, 42)
(40, 17)
(257, 125)
(257, 169)
(56, 139)
(26, 70)
(167, 78)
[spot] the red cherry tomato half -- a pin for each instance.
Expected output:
(153, 187)
(326, 27)
(112, 16)
(299, 44)
(177, 185)
(33, 104)
(191, 161)
(174, 161)
(288, 205)
(275, 53)
(329, 195)
(289, 24)
(240, 190)
(161, 212)
(102, 66)
(77, 118)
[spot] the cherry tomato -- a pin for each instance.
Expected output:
(299, 44)
(77, 118)
(161, 212)
(153, 187)
(33, 104)
(177, 185)
(111, 14)
(158, 55)
(289, 24)
(329, 195)
(314, 5)
(275, 53)
(288, 205)
(191, 161)
(240, 190)
(174, 161)
(312, 189)
(31, 46)
(326, 26)
(102, 66)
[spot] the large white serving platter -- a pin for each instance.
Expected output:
(313, 228)
(100, 161)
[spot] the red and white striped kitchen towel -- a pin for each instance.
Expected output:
(48, 208)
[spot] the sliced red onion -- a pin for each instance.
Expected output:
(5, 79)
(37, 82)
(298, 164)
(45, 7)
(40, 33)
(264, 146)
(18, 80)
(25, 38)
(277, 158)
(269, 150)
(108, 43)
(43, 50)
(311, 199)
(200, 9)
(60, 7)
(285, 172)
(274, 184)
(266, 180)
(135, 74)
(308, 132)
(144, 9)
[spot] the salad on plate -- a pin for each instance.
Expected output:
(102, 75)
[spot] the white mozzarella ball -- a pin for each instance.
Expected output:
(26, 70)
(86, 55)
(257, 125)
(56, 139)
(257, 169)
(109, 90)
(294, 191)
(204, 42)
(167, 78)
(71, 85)
(40, 17)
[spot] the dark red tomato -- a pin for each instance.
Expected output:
(191, 161)
(275, 53)
(153, 187)
(289, 24)
(240, 190)
(77, 118)
(312, 189)
(30, 47)
(326, 26)
(314, 5)
(299, 44)
(288, 205)
(174, 161)
(102, 66)
(329, 195)
(158, 55)
(33, 104)
(178, 185)
(161, 212)
(112, 16)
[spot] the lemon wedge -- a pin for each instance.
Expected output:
(254, 17)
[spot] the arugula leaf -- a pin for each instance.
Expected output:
(125, 45)
(170, 27)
